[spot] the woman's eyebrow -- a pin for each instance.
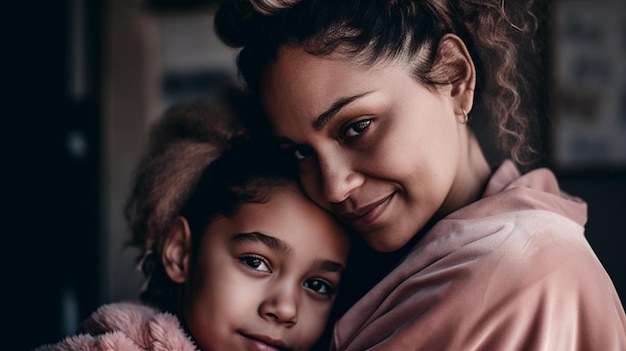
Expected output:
(269, 241)
(281, 140)
(327, 115)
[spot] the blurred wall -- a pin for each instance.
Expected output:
(131, 96)
(154, 57)
(587, 139)
(82, 80)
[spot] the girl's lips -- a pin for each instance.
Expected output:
(367, 215)
(263, 343)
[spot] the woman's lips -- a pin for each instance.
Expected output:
(367, 215)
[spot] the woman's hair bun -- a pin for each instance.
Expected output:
(232, 21)
(236, 21)
(270, 7)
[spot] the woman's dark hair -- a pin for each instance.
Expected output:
(371, 31)
(200, 162)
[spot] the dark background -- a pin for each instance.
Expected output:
(51, 172)
(50, 199)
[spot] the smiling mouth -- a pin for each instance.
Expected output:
(263, 343)
(367, 215)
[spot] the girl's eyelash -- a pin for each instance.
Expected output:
(253, 262)
(316, 285)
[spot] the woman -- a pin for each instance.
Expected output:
(374, 99)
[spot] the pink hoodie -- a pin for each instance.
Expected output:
(127, 327)
(512, 271)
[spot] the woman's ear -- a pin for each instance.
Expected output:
(177, 251)
(455, 65)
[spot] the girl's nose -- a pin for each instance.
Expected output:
(281, 306)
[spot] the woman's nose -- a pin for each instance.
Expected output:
(280, 306)
(338, 177)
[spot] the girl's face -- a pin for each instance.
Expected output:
(266, 278)
(377, 148)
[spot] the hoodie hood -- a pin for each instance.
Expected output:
(508, 190)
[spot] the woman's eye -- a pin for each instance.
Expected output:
(319, 286)
(256, 263)
(357, 128)
(303, 152)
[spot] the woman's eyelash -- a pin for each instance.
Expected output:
(357, 128)
(302, 152)
(299, 152)
(353, 130)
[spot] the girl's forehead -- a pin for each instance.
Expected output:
(287, 217)
(263, 207)
(287, 208)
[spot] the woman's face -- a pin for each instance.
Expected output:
(266, 278)
(377, 148)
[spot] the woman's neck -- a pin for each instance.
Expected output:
(471, 180)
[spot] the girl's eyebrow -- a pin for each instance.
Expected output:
(330, 266)
(284, 248)
(269, 241)
(327, 115)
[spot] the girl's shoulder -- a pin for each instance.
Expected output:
(127, 326)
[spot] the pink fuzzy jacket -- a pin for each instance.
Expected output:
(127, 326)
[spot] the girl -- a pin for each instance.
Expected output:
(378, 101)
(229, 245)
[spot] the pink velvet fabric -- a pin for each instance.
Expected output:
(127, 327)
(512, 271)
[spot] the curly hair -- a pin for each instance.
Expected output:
(373, 31)
(200, 162)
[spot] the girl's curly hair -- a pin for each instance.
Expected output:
(182, 143)
(375, 30)
(201, 162)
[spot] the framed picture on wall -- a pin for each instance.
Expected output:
(589, 57)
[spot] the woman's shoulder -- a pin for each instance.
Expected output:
(508, 191)
(519, 277)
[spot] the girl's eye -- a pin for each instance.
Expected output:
(303, 152)
(319, 286)
(357, 128)
(256, 263)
